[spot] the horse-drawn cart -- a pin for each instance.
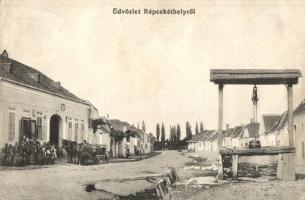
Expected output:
(93, 154)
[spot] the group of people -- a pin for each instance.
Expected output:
(28, 152)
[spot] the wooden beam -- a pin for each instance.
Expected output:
(255, 76)
(290, 115)
(235, 167)
(273, 150)
(220, 123)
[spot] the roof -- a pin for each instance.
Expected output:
(105, 128)
(18, 73)
(254, 76)
(124, 128)
(233, 132)
(279, 124)
(300, 109)
(269, 121)
(253, 129)
(202, 136)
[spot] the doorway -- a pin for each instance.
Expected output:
(54, 130)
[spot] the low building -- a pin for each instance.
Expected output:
(238, 136)
(277, 135)
(299, 128)
(35, 106)
(267, 122)
(250, 132)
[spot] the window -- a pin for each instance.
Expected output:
(11, 126)
(82, 131)
(69, 130)
(76, 131)
(39, 128)
(303, 150)
(26, 129)
(33, 129)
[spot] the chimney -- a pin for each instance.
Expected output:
(227, 126)
(5, 54)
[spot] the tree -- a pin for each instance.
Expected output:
(178, 134)
(162, 134)
(138, 127)
(158, 132)
(188, 130)
(201, 127)
(143, 126)
(196, 129)
(173, 135)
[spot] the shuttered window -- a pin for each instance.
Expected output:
(11, 126)
(39, 128)
(82, 131)
(70, 130)
(76, 131)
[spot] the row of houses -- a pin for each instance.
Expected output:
(33, 105)
(271, 131)
(238, 136)
(277, 134)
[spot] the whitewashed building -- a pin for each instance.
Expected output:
(33, 105)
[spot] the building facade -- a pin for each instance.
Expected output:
(34, 106)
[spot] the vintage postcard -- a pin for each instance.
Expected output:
(155, 99)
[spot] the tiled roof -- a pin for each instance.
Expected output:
(269, 121)
(279, 124)
(300, 109)
(253, 129)
(16, 72)
(238, 130)
(105, 128)
(202, 136)
(124, 128)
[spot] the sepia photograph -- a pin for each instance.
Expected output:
(152, 100)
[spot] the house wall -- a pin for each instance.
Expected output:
(271, 138)
(199, 146)
(235, 142)
(227, 141)
(214, 146)
(209, 146)
(299, 122)
(132, 145)
(29, 103)
(103, 139)
(191, 146)
(262, 139)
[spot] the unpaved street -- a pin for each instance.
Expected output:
(68, 181)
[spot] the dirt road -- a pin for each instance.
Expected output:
(68, 181)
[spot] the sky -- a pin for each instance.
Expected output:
(157, 68)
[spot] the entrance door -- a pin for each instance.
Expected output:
(54, 129)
